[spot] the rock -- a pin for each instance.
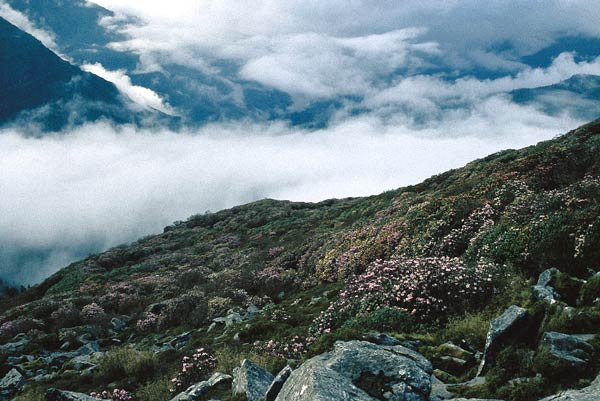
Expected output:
(439, 390)
(381, 339)
(251, 380)
(233, 318)
(198, 390)
(17, 344)
(361, 371)
(454, 350)
(181, 340)
(475, 399)
(82, 362)
(118, 324)
(251, 312)
(59, 395)
(12, 382)
(514, 325)
(88, 348)
(277, 383)
(571, 349)
(589, 393)
(212, 326)
(542, 290)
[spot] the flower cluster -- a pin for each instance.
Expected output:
(457, 240)
(115, 395)
(275, 313)
(275, 251)
(93, 312)
(147, 323)
(292, 349)
(194, 369)
(424, 288)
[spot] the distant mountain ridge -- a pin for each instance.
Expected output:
(38, 87)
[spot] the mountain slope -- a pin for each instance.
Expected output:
(38, 87)
(481, 233)
(578, 95)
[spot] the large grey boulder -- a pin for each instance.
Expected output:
(572, 349)
(589, 393)
(59, 395)
(514, 325)
(278, 383)
(11, 383)
(251, 380)
(361, 371)
(198, 390)
(542, 290)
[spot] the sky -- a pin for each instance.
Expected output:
(421, 87)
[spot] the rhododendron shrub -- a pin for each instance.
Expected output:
(194, 369)
(425, 288)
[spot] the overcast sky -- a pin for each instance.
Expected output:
(431, 78)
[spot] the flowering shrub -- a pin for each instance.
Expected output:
(424, 288)
(66, 316)
(275, 251)
(115, 395)
(21, 325)
(147, 323)
(292, 349)
(93, 313)
(194, 369)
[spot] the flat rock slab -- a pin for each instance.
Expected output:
(361, 371)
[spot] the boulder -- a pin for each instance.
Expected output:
(589, 393)
(59, 395)
(542, 290)
(17, 344)
(572, 349)
(513, 326)
(12, 382)
(251, 380)
(361, 371)
(89, 348)
(277, 383)
(201, 389)
(439, 390)
(381, 339)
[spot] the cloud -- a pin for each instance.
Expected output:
(141, 96)
(97, 186)
(22, 22)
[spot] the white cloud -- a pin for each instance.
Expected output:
(315, 49)
(98, 185)
(430, 93)
(140, 95)
(22, 22)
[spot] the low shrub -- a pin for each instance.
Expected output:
(119, 363)
(590, 291)
(156, 390)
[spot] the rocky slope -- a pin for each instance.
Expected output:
(456, 272)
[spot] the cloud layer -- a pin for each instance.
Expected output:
(98, 186)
